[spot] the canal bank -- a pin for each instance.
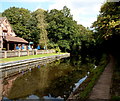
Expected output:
(83, 91)
(12, 68)
(52, 81)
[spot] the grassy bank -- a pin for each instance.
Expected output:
(27, 57)
(82, 93)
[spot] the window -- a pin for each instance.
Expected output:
(4, 34)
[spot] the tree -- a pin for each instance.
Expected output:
(64, 32)
(66, 12)
(18, 18)
(0, 14)
(107, 27)
(41, 25)
(60, 28)
(34, 34)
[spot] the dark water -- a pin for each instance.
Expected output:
(53, 81)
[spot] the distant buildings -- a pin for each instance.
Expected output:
(8, 39)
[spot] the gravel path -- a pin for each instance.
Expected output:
(101, 91)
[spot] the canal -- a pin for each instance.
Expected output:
(54, 81)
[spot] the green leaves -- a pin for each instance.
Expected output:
(54, 28)
(18, 18)
(64, 31)
(108, 20)
(41, 25)
(107, 28)
(59, 29)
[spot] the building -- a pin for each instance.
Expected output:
(8, 39)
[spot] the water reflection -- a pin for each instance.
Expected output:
(52, 81)
(79, 82)
(32, 97)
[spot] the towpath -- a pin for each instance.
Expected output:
(101, 91)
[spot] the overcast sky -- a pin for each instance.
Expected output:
(84, 11)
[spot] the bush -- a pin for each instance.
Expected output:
(57, 50)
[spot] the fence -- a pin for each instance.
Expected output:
(8, 54)
(45, 51)
(12, 68)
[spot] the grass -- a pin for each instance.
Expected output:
(91, 81)
(27, 57)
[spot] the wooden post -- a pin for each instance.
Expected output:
(6, 74)
(14, 46)
(36, 52)
(7, 46)
(33, 52)
(28, 53)
(18, 53)
(5, 54)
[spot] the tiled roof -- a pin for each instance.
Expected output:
(15, 39)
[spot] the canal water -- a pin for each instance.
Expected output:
(54, 81)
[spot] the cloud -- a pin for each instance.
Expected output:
(84, 12)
